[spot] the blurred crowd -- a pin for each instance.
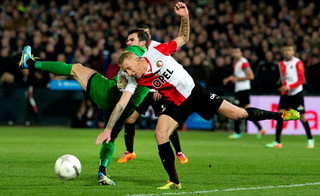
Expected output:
(94, 33)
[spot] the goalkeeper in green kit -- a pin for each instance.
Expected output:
(107, 94)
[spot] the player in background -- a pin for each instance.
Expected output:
(107, 94)
(154, 99)
(292, 78)
(157, 69)
(241, 77)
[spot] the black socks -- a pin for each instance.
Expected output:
(167, 159)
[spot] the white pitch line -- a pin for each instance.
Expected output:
(226, 190)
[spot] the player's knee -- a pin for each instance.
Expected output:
(160, 136)
(76, 66)
(241, 115)
(156, 134)
(76, 69)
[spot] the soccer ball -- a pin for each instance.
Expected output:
(67, 167)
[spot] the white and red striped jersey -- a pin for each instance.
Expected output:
(151, 45)
(239, 70)
(165, 74)
(292, 75)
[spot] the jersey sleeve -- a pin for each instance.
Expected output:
(167, 48)
(245, 66)
(300, 72)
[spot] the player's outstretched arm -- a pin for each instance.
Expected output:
(115, 115)
(181, 10)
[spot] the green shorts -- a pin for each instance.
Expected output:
(106, 95)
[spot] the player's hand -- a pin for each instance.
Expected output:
(233, 79)
(181, 9)
(156, 95)
(104, 136)
(283, 89)
(227, 80)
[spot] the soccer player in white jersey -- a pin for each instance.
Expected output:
(292, 78)
(241, 77)
(158, 70)
(154, 99)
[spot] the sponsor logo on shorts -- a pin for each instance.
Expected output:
(212, 96)
(163, 108)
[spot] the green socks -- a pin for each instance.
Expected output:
(106, 153)
(58, 68)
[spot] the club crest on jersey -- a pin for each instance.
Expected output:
(159, 63)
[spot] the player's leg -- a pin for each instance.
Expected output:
(165, 126)
(261, 131)
(308, 131)
(174, 139)
(106, 151)
(77, 71)
(279, 126)
(237, 131)
(298, 103)
(130, 129)
(129, 133)
(285, 103)
(254, 114)
(237, 123)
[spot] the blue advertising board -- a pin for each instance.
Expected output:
(197, 122)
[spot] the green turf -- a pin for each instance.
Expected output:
(28, 154)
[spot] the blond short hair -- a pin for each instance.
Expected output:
(126, 55)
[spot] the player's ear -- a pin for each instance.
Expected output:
(143, 44)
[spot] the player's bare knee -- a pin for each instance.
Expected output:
(244, 115)
(75, 69)
(156, 134)
(160, 136)
(241, 114)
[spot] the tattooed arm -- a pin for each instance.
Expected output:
(182, 10)
(115, 115)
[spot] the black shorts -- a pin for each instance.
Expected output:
(148, 100)
(242, 98)
(294, 102)
(201, 101)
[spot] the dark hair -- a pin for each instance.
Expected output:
(142, 36)
(288, 44)
(143, 26)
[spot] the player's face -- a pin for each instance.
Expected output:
(288, 52)
(132, 67)
(133, 40)
(236, 53)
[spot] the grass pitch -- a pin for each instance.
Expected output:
(217, 165)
